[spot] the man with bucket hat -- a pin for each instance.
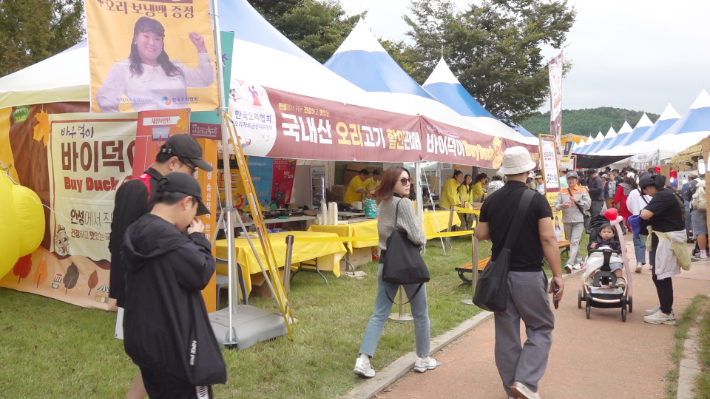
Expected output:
(521, 366)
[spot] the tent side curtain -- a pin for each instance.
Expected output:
(591, 161)
(287, 125)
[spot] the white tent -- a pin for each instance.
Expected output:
(445, 87)
(635, 142)
(686, 131)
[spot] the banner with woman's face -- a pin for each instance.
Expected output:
(151, 55)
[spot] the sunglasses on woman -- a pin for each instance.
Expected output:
(405, 181)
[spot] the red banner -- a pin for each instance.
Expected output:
(278, 124)
(282, 183)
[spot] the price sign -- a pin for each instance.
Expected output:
(548, 154)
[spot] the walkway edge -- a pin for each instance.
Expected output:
(395, 370)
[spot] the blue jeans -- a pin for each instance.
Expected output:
(383, 306)
(640, 247)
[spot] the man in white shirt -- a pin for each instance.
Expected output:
(635, 203)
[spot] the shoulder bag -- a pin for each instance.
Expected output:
(403, 263)
(492, 287)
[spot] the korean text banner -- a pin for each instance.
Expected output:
(278, 124)
(151, 55)
(555, 72)
(89, 157)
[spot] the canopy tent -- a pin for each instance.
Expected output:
(523, 131)
(582, 144)
(446, 88)
(362, 60)
(635, 142)
(686, 131)
(641, 127)
(611, 135)
(597, 142)
(61, 78)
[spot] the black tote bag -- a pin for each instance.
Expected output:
(492, 287)
(403, 263)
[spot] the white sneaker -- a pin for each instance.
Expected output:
(639, 267)
(577, 266)
(653, 311)
(523, 391)
(363, 368)
(568, 268)
(423, 364)
(660, 318)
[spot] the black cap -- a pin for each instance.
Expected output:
(646, 180)
(376, 172)
(364, 172)
(185, 184)
(184, 146)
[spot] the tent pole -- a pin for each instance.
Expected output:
(229, 208)
(419, 194)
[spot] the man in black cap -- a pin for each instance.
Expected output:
(181, 154)
(596, 192)
(169, 261)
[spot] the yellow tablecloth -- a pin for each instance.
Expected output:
(360, 229)
(442, 216)
(328, 254)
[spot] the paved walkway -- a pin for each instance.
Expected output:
(588, 357)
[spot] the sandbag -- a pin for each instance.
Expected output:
(9, 237)
(30, 216)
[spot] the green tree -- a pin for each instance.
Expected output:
(494, 48)
(317, 27)
(586, 121)
(33, 30)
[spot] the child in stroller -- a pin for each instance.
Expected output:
(605, 238)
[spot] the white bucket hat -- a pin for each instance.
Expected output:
(516, 160)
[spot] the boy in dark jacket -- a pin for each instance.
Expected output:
(166, 329)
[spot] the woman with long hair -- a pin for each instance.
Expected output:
(465, 195)
(148, 79)
(477, 187)
(393, 192)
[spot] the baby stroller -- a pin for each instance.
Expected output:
(603, 292)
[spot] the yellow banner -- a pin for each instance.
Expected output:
(556, 217)
(150, 55)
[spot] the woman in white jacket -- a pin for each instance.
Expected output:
(573, 201)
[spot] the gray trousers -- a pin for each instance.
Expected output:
(596, 207)
(574, 231)
(527, 300)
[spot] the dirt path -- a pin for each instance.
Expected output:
(622, 360)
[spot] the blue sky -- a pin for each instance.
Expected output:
(631, 54)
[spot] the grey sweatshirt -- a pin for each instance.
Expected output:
(407, 220)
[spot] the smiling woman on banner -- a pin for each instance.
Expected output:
(148, 78)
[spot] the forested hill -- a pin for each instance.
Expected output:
(586, 121)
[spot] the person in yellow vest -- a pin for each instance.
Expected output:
(464, 197)
(356, 188)
(477, 187)
(450, 194)
(372, 183)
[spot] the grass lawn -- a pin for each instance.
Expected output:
(683, 324)
(52, 348)
(702, 387)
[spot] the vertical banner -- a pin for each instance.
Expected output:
(262, 174)
(551, 179)
(284, 173)
(151, 54)
(154, 128)
(548, 162)
(208, 185)
(88, 158)
(555, 71)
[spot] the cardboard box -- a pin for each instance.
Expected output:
(359, 257)
(259, 287)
